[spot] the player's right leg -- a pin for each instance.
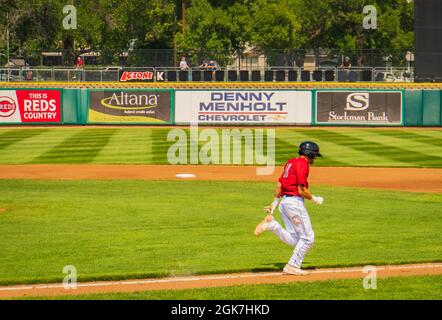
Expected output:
(298, 222)
(306, 240)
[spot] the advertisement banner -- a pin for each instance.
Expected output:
(30, 106)
(133, 75)
(258, 107)
(359, 107)
(129, 106)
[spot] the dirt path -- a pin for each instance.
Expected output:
(405, 179)
(224, 280)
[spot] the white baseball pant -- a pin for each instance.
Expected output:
(298, 232)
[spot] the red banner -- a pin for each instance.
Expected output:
(30, 106)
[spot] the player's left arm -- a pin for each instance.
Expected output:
(306, 194)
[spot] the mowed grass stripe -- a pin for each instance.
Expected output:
(395, 154)
(127, 146)
(408, 146)
(285, 151)
(427, 155)
(26, 150)
(160, 146)
(435, 134)
(349, 147)
(431, 142)
(393, 140)
(82, 147)
(337, 153)
(11, 137)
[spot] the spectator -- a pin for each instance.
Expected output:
(29, 75)
(79, 65)
(211, 66)
(344, 75)
(184, 66)
(360, 62)
(346, 64)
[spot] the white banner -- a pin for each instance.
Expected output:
(243, 107)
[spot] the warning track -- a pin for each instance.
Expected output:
(223, 280)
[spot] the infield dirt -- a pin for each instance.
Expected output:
(405, 179)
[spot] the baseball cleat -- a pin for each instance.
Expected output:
(263, 226)
(288, 269)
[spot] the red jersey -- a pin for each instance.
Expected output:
(295, 174)
(80, 63)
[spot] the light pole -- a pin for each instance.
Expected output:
(7, 38)
(184, 8)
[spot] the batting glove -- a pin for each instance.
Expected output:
(318, 200)
(270, 209)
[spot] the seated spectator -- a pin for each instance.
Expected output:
(203, 65)
(184, 66)
(346, 64)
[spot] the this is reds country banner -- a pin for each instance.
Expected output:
(359, 107)
(30, 106)
(129, 106)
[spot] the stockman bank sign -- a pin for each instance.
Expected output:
(243, 107)
(359, 107)
(30, 106)
(129, 106)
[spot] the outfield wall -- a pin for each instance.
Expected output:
(221, 106)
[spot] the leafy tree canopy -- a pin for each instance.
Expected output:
(212, 25)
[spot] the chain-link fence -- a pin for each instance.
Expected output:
(251, 58)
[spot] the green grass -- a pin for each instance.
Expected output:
(341, 147)
(397, 288)
(133, 229)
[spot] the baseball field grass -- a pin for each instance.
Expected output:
(398, 288)
(341, 147)
(136, 229)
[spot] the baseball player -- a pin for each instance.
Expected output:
(293, 189)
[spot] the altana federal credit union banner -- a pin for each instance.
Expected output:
(359, 107)
(129, 106)
(243, 107)
(30, 106)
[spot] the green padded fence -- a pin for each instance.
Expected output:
(421, 107)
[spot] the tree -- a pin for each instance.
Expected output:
(208, 34)
(215, 28)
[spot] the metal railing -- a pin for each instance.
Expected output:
(269, 74)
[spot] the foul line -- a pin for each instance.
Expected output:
(218, 277)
